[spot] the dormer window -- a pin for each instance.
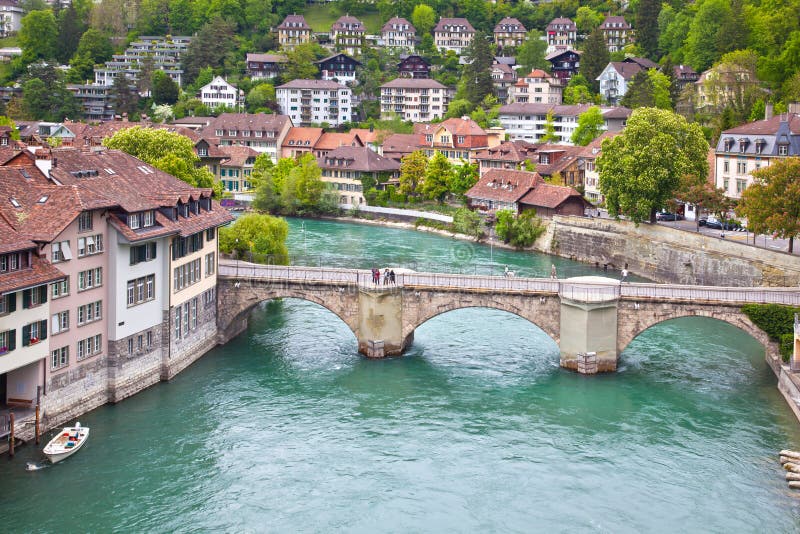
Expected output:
(149, 219)
(14, 202)
(133, 221)
(219, 133)
(783, 150)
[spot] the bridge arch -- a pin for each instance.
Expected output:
(236, 302)
(423, 305)
(634, 320)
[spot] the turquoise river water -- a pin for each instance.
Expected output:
(287, 428)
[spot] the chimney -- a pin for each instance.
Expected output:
(768, 107)
(55, 163)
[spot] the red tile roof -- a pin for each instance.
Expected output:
(450, 22)
(237, 155)
(40, 272)
(513, 151)
(504, 185)
(546, 195)
(332, 140)
(357, 159)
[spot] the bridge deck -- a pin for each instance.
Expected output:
(568, 288)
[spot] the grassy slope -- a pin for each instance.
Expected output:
(321, 17)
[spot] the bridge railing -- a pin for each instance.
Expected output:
(761, 295)
(285, 272)
(588, 292)
(494, 283)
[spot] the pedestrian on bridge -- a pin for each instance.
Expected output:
(386, 276)
(553, 273)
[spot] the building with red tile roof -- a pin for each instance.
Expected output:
(345, 167)
(300, 140)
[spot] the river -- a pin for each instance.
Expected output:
(287, 428)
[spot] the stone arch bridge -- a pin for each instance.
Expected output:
(592, 319)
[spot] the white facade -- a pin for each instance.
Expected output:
(10, 18)
(613, 84)
(220, 93)
(417, 100)
(315, 102)
(528, 122)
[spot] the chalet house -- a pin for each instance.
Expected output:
(503, 77)
(510, 155)
(565, 63)
(749, 147)
(519, 191)
(260, 131)
(509, 32)
(538, 87)
(293, 31)
(219, 92)
(561, 34)
(617, 33)
(338, 68)
(457, 139)
(265, 66)
(347, 35)
(684, 75)
(414, 66)
(561, 163)
(236, 168)
(398, 33)
(416, 100)
(344, 168)
(453, 34)
(300, 140)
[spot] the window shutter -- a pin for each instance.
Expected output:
(133, 255)
(43, 330)
(26, 298)
(142, 253)
(12, 302)
(26, 335)
(56, 324)
(175, 249)
(152, 251)
(42, 294)
(12, 340)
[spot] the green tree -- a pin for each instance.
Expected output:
(215, 44)
(590, 126)
(733, 32)
(462, 178)
(165, 90)
(413, 168)
(423, 18)
(7, 121)
(467, 222)
(595, 58)
(504, 221)
(477, 73)
(45, 95)
(95, 45)
(70, 29)
(550, 135)
(578, 91)
(772, 202)
(302, 191)
(171, 152)
(640, 92)
(126, 99)
(439, 173)
(706, 197)
(269, 180)
(261, 98)
(300, 62)
(640, 169)
(531, 54)
(587, 19)
(38, 36)
(257, 233)
(701, 41)
(647, 26)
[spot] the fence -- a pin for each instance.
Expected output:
(760, 295)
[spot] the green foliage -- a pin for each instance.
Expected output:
(38, 36)
(45, 95)
(701, 41)
(413, 168)
(649, 88)
(462, 178)
(595, 57)
(774, 319)
(6, 121)
(532, 52)
(300, 64)
(423, 18)
(786, 346)
(590, 126)
(438, 176)
(647, 26)
(550, 135)
(640, 169)
(258, 233)
(292, 187)
(215, 44)
(520, 231)
(467, 222)
(504, 220)
(165, 90)
(477, 73)
(578, 91)
(587, 19)
(260, 98)
(171, 152)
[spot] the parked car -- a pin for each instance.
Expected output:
(665, 216)
(716, 224)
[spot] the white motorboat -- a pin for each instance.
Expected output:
(66, 443)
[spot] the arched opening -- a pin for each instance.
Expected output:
(484, 344)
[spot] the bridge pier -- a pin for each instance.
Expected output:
(589, 324)
(380, 322)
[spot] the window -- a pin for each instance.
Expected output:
(783, 150)
(149, 339)
(60, 358)
(139, 342)
(133, 221)
(60, 289)
(8, 304)
(210, 233)
(60, 252)
(34, 333)
(141, 290)
(149, 219)
(34, 297)
(130, 346)
(85, 221)
(92, 244)
(194, 313)
(741, 167)
(60, 322)
(726, 166)
(186, 274)
(142, 253)
(209, 296)
(185, 319)
(210, 264)
(8, 341)
(90, 278)
(177, 322)
(89, 313)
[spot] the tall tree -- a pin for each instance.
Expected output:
(640, 92)
(531, 54)
(165, 90)
(70, 28)
(45, 95)
(595, 58)
(413, 168)
(703, 195)
(304, 185)
(701, 41)
(587, 19)
(462, 178)
(126, 99)
(733, 32)
(590, 126)
(423, 18)
(300, 62)
(214, 44)
(772, 202)
(38, 36)
(437, 177)
(578, 91)
(477, 74)
(647, 26)
(640, 169)
(550, 135)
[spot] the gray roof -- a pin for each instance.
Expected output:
(414, 83)
(311, 84)
(763, 137)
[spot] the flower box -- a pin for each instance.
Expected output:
(3, 350)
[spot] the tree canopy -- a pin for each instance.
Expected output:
(641, 169)
(256, 236)
(590, 126)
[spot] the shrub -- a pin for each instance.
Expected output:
(467, 222)
(774, 319)
(787, 346)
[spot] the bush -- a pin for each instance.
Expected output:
(787, 346)
(774, 319)
(467, 222)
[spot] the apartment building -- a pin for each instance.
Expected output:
(260, 131)
(417, 100)
(309, 102)
(347, 35)
(162, 53)
(219, 92)
(11, 14)
(398, 33)
(343, 169)
(458, 139)
(617, 33)
(538, 87)
(453, 34)
(293, 31)
(528, 121)
(235, 170)
(509, 32)
(561, 34)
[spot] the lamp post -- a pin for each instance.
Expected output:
(236, 248)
